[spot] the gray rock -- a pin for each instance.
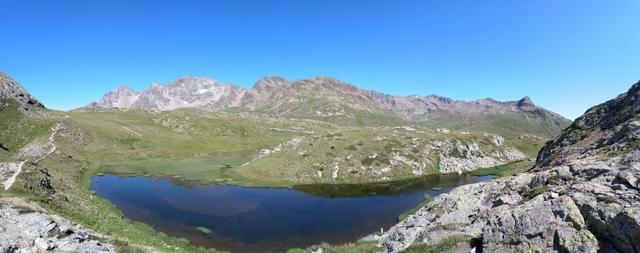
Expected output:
(10, 89)
(540, 226)
(40, 232)
(579, 207)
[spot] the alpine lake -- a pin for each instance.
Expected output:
(252, 219)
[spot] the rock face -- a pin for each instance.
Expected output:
(34, 231)
(607, 129)
(265, 88)
(582, 196)
(123, 97)
(323, 97)
(10, 89)
(583, 206)
(470, 156)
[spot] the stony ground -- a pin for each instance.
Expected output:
(568, 208)
(25, 227)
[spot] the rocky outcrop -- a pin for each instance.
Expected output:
(10, 89)
(468, 156)
(582, 196)
(582, 206)
(265, 88)
(25, 230)
(608, 129)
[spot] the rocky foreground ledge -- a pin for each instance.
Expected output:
(584, 206)
(25, 227)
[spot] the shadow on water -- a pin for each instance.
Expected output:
(434, 182)
(247, 219)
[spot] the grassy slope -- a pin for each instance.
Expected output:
(504, 170)
(444, 245)
(74, 200)
(18, 129)
(315, 159)
(334, 111)
(189, 144)
(509, 125)
(71, 196)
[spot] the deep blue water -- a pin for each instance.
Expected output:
(246, 219)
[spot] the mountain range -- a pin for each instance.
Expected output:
(329, 99)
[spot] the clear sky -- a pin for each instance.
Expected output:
(566, 55)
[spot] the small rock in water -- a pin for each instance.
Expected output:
(204, 230)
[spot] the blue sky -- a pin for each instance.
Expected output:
(565, 55)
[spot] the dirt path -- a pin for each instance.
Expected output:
(13, 169)
(50, 143)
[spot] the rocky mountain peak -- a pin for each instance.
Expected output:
(10, 89)
(487, 101)
(439, 99)
(121, 97)
(272, 81)
(526, 103)
(265, 88)
(525, 100)
(326, 85)
(194, 81)
(123, 88)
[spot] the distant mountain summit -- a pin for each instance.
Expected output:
(184, 92)
(10, 89)
(329, 99)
